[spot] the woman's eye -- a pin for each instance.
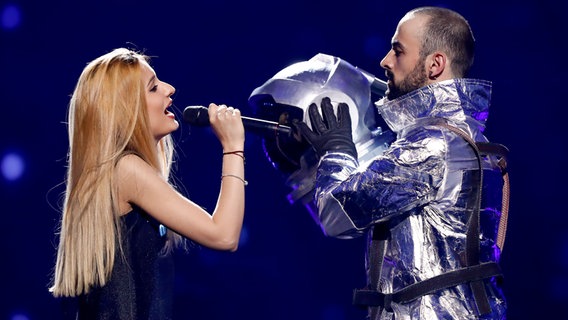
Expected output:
(154, 88)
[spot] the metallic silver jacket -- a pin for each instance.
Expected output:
(420, 185)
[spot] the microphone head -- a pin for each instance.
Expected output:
(196, 116)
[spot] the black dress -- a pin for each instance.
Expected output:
(141, 284)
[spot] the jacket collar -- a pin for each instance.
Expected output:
(456, 100)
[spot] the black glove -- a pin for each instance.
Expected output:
(330, 133)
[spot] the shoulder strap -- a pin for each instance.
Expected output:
(499, 150)
(474, 272)
(378, 246)
(472, 234)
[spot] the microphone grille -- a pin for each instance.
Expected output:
(196, 115)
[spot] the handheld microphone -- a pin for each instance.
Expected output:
(198, 116)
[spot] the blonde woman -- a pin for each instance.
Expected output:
(121, 216)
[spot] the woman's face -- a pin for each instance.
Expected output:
(158, 99)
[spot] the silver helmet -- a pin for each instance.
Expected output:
(285, 98)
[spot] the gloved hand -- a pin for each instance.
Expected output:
(330, 133)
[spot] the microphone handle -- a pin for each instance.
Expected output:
(262, 126)
(197, 116)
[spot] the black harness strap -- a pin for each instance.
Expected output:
(376, 256)
(472, 233)
(373, 298)
(473, 273)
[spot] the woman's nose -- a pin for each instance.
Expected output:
(172, 90)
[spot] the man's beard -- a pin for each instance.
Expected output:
(415, 80)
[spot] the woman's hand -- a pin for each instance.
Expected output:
(228, 126)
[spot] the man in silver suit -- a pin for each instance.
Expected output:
(433, 201)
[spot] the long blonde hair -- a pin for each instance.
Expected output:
(107, 119)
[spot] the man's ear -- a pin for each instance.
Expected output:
(437, 65)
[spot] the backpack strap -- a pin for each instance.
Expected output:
(473, 273)
(500, 151)
(472, 234)
(378, 246)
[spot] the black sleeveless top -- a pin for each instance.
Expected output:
(141, 284)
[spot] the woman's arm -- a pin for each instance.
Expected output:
(142, 185)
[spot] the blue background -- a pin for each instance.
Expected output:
(219, 51)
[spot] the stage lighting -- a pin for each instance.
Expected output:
(12, 166)
(10, 18)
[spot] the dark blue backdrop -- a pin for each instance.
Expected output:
(219, 51)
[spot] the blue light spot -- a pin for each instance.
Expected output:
(20, 316)
(244, 237)
(12, 166)
(11, 17)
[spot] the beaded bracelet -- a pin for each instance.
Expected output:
(239, 153)
(234, 176)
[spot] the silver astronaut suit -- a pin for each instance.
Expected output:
(421, 189)
(414, 187)
(285, 98)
